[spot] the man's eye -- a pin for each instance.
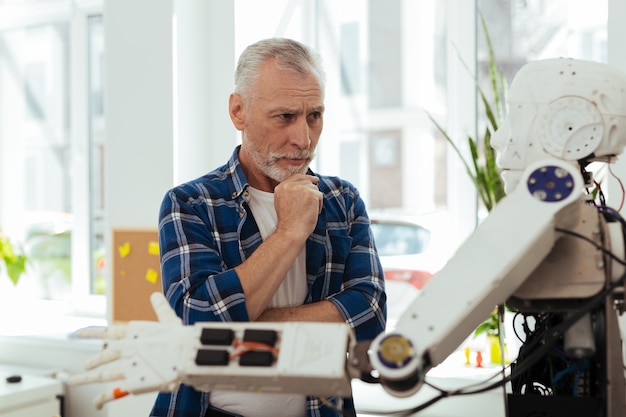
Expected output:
(315, 115)
(286, 116)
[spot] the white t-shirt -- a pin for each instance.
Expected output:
(291, 292)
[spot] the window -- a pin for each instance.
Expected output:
(532, 30)
(51, 148)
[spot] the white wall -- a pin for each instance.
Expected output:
(139, 110)
(616, 57)
(205, 56)
(462, 199)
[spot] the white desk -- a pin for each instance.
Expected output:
(34, 395)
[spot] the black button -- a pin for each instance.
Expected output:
(212, 357)
(257, 358)
(221, 337)
(267, 337)
(12, 379)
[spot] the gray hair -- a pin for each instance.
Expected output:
(289, 54)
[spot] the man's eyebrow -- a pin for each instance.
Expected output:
(285, 110)
(295, 110)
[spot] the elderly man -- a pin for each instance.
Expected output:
(263, 238)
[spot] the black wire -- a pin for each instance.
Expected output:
(597, 246)
(557, 331)
(551, 338)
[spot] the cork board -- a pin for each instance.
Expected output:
(136, 274)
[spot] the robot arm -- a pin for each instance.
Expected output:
(490, 265)
(563, 114)
(258, 357)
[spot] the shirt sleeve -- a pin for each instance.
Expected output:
(362, 298)
(196, 281)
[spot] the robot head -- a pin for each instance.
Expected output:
(568, 109)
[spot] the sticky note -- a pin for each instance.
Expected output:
(152, 276)
(153, 248)
(124, 250)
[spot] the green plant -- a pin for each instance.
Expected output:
(489, 326)
(481, 166)
(14, 262)
(481, 163)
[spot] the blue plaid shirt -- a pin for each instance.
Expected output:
(206, 229)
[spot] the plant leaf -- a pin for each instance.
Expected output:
(497, 186)
(489, 112)
(482, 180)
(16, 268)
(453, 144)
(15, 263)
(493, 69)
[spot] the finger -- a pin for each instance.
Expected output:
(321, 201)
(318, 193)
(302, 178)
(113, 332)
(91, 377)
(163, 310)
(106, 356)
(109, 396)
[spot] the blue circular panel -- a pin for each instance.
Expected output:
(550, 183)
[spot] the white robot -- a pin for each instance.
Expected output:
(548, 250)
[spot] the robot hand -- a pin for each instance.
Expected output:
(292, 357)
(142, 355)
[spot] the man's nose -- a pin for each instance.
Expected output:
(300, 134)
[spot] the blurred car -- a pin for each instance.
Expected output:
(400, 243)
(411, 250)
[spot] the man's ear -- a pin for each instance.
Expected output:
(236, 110)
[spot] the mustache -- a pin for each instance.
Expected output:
(300, 154)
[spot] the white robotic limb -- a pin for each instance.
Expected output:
(144, 356)
(257, 357)
(488, 267)
(563, 114)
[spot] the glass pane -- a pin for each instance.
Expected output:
(532, 30)
(395, 239)
(35, 152)
(51, 167)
